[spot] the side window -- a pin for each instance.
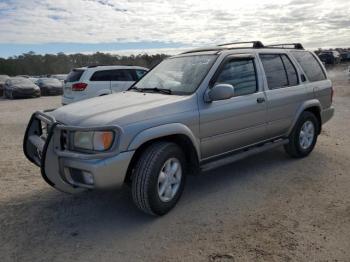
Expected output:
(101, 76)
(241, 74)
(310, 65)
(122, 75)
(139, 73)
(291, 71)
(274, 70)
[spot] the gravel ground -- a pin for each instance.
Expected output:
(265, 208)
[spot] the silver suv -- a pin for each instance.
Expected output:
(195, 111)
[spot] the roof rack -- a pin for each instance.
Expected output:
(256, 44)
(285, 46)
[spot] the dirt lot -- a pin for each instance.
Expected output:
(264, 208)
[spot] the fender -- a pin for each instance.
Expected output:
(162, 131)
(307, 104)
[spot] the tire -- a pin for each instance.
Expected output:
(302, 140)
(151, 177)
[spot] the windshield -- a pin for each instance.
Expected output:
(181, 75)
(20, 81)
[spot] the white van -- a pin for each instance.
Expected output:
(87, 82)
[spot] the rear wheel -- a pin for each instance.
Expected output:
(159, 178)
(304, 136)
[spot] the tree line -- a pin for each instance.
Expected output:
(35, 64)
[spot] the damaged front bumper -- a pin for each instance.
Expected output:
(66, 170)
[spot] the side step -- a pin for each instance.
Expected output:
(242, 154)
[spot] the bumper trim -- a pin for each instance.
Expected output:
(327, 114)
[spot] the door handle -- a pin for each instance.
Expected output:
(260, 100)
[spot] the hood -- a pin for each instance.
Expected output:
(25, 87)
(123, 108)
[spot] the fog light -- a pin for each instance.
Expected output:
(88, 178)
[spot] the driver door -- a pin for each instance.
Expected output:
(240, 121)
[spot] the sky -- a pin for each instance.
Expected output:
(166, 26)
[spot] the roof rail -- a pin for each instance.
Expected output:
(218, 48)
(256, 44)
(294, 46)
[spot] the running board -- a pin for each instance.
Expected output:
(242, 154)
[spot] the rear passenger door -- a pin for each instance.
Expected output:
(122, 79)
(100, 83)
(283, 92)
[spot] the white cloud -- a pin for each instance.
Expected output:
(191, 22)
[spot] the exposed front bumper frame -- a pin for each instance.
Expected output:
(108, 169)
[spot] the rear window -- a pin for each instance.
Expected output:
(274, 70)
(104, 75)
(74, 75)
(121, 75)
(310, 65)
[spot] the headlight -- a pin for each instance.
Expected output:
(93, 140)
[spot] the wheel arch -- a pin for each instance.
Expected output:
(313, 106)
(175, 133)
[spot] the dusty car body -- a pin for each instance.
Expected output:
(3, 79)
(20, 87)
(195, 111)
(50, 86)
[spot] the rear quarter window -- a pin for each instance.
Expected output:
(310, 66)
(74, 75)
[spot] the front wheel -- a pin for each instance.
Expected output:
(304, 136)
(159, 177)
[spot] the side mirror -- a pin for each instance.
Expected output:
(219, 92)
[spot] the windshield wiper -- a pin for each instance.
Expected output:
(135, 88)
(156, 89)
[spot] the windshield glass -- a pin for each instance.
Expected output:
(181, 75)
(20, 81)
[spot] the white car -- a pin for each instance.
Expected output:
(87, 82)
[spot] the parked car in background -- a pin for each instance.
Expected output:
(50, 86)
(20, 87)
(24, 76)
(34, 79)
(345, 56)
(92, 81)
(3, 79)
(195, 111)
(330, 57)
(60, 77)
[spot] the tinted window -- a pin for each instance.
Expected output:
(240, 74)
(274, 70)
(291, 71)
(310, 66)
(104, 75)
(122, 75)
(74, 75)
(139, 73)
